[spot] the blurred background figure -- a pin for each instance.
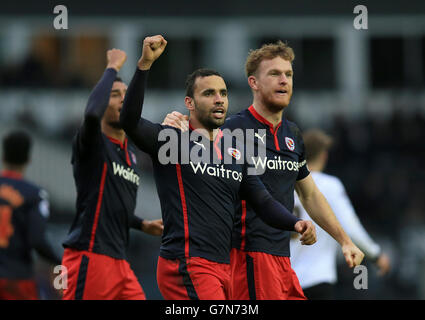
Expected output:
(316, 266)
(24, 210)
(366, 88)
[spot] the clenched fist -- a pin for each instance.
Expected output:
(115, 58)
(307, 231)
(153, 47)
(353, 255)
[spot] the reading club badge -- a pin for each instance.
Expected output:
(290, 143)
(235, 153)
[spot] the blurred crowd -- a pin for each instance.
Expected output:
(380, 161)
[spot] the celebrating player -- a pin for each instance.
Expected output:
(107, 178)
(260, 261)
(24, 210)
(318, 282)
(198, 198)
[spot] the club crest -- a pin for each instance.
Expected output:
(290, 143)
(235, 153)
(133, 157)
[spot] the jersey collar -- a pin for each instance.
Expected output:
(216, 141)
(260, 118)
(115, 141)
(11, 174)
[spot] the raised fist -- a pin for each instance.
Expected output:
(115, 58)
(153, 47)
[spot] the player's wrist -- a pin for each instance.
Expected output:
(346, 242)
(144, 65)
(144, 225)
(113, 66)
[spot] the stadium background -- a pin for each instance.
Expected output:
(365, 87)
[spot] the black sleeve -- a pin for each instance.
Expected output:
(142, 132)
(98, 101)
(37, 234)
(136, 223)
(268, 209)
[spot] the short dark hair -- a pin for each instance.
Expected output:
(16, 148)
(199, 73)
(315, 142)
(118, 79)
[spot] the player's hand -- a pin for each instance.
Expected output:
(353, 255)
(177, 120)
(153, 47)
(307, 231)
(115, 58)
(154, 227)
(383, 264)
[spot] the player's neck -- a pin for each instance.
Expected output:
(271, 116)
(117, 134)
(19, 170)
(196, 124)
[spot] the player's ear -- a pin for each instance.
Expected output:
(188, 101)
(252, 81)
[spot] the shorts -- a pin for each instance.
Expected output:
(193, 278)
(93, 276)
(262, 276)
(18, 289)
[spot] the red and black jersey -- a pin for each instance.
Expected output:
(283, 165)
(24, 210)
(198, 198)
(107, 178)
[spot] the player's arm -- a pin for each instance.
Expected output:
(346, 214)
(37, 225)
(320, 211)
(152, 227)
(273, 212)
(143, 132)
(99, 99)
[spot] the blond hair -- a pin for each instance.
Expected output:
(267, 52)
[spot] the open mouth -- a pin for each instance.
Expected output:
(218, 112)
(281, 92)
